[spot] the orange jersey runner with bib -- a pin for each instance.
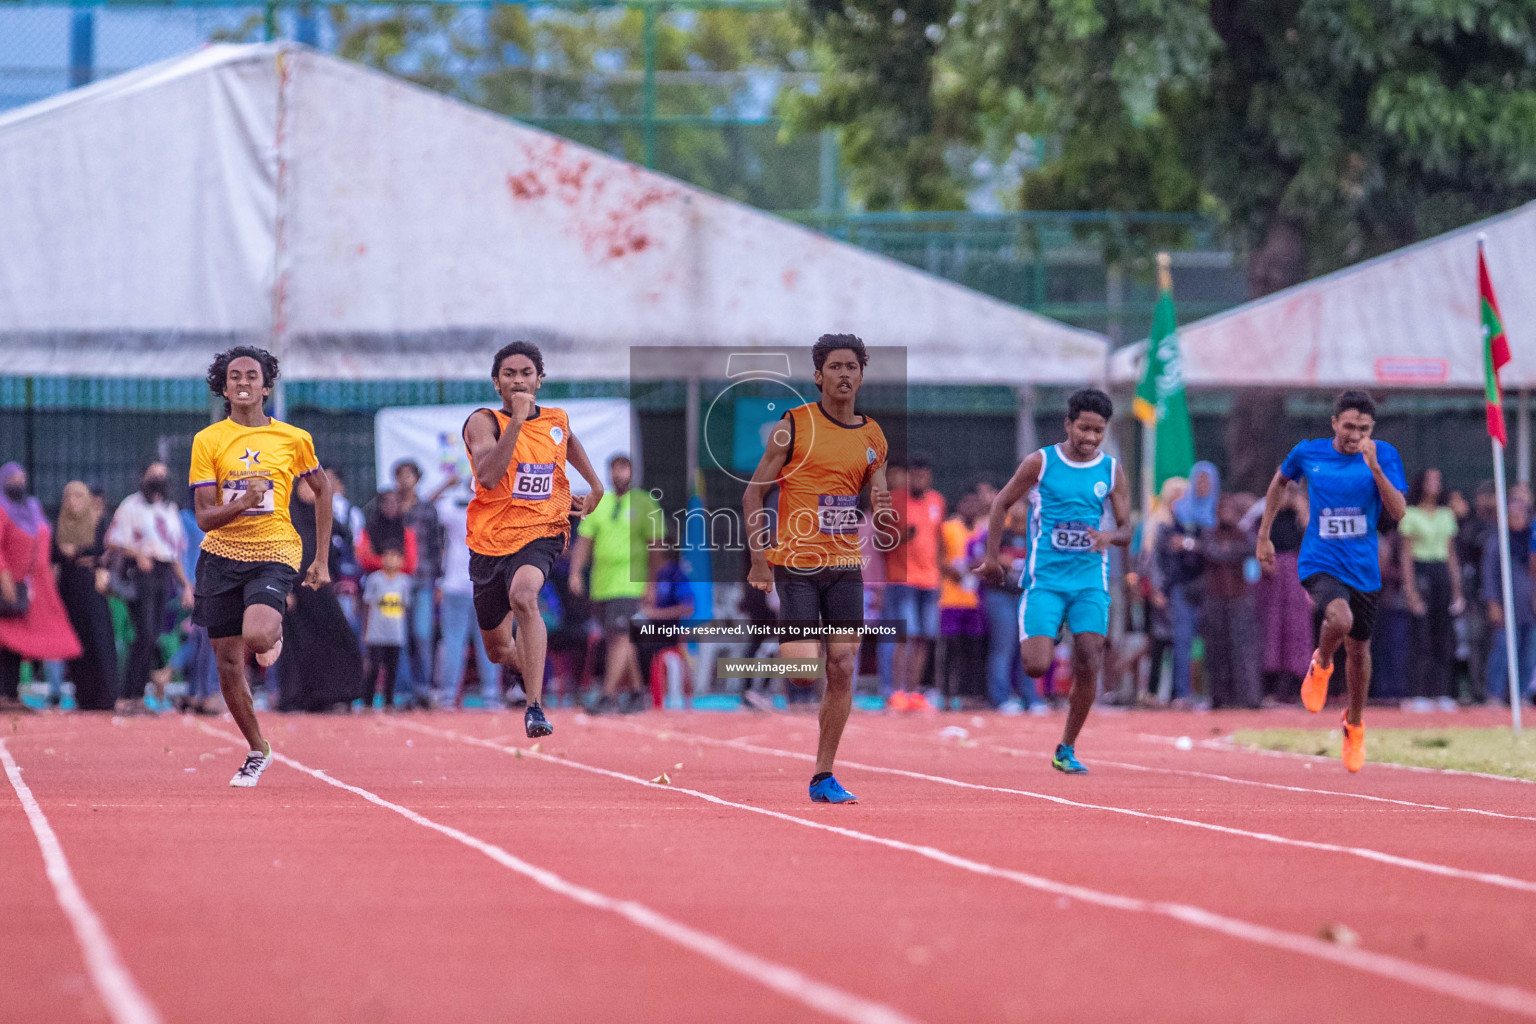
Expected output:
(829, 465)
(534, 499)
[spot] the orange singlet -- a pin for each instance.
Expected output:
(829, 465)
(534, 499)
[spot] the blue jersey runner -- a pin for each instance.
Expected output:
(1345, 508)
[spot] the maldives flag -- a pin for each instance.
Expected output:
(1495, 349)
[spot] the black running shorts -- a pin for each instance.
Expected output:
(1325, 589)
(492, 576)
(832, 596)
(226, 588)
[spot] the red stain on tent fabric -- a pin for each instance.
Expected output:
(609, 209)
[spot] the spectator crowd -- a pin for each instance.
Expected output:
(101, 598)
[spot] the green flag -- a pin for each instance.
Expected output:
(1160, 396)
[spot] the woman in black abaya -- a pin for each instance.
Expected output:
(322, 663)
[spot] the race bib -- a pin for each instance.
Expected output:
(1335, 527)
(234, 490)
(535, 481)
(1072, 538)
(838, 513)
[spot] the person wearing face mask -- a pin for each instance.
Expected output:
(33, 623)
(146, 534)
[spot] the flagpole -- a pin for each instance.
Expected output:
(1149, 430)
(1495, 356)
(1148, 467)
(1512, 665)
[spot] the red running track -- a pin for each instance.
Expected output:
(415, 868)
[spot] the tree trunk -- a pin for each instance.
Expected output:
(1252, 432)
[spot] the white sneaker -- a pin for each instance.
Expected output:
(250, 772)
(1010, 707)
(758, 700)
(269, 658)
(1039, 707)
(1448, 704)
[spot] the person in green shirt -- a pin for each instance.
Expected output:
(1432, 587)
(621, 541)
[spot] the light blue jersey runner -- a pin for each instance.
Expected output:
(1068, 502)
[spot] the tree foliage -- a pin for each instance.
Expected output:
(578, 71)
(1324, 131)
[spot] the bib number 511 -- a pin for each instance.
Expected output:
(1342, 527)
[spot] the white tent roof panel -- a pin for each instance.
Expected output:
(1406, 319)
(369, 228)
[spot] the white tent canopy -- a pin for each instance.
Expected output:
(1406, 319)
(363, 227)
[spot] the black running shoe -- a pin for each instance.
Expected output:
(535, 723)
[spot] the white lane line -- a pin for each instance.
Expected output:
(1228, 747)
(1365, 853)
(786, 981)
(118, 991)
(1272, 785)
(1434, 979)
(987, 744)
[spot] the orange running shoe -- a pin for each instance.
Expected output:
(1314, 688)
(1354, 745)
(898, 701)
(917, 702)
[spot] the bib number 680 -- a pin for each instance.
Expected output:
(534, 481)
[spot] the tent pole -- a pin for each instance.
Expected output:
(1523, 439)
(1027, 438)
(29, 451)
(1114, 303)
(691, 429)
(278, 330)
(648, 88)
(82, 47)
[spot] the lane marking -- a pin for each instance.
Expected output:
(1227, 746)
(1278, 785)
(1365, 853)
(1434, 979)
(787, 981)
(988, 744)
(119, 992)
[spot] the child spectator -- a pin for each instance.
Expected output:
(386, 600)
(962, 624)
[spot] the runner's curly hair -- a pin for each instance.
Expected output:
(218, 370)
(829, 343)
(518, 348)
